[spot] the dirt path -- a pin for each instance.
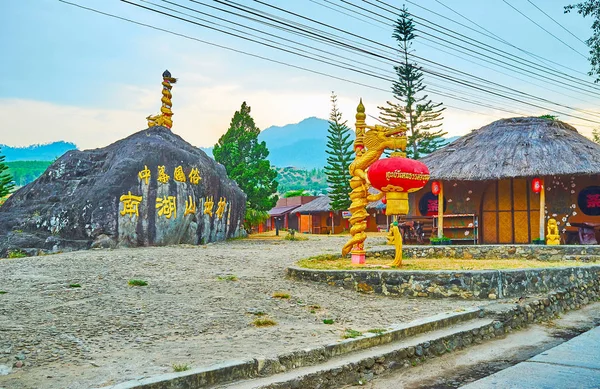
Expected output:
(107, 332)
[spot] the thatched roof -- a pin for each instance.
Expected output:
(516, 147)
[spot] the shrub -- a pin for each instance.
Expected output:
(137, 283)
(281, 295)
(264, 322)
(179, 367)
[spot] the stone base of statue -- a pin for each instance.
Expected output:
(358, 257)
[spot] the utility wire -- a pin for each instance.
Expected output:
(560, 25)
(540, 26)
(446, 77)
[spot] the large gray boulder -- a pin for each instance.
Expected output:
(101, 198)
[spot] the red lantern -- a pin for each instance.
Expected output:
(435, 187)
(330, 214)
(298, 215)
(536, 185)
(397, 177)
(384, 200)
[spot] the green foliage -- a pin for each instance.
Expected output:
(16, 254)
(444, 239)
(74, 286)
(230, 277)
(377, 331)
(6, 180)
(339, 148)
(411, 106)
(328, 321)
(296, 192)
(137, 283)
(350, 333)
(549, 117)
(253, 218)
(264, 322)
(591, 8)
(596, 135)
(25, 172)
(179, 367)
(281, 295)
(291, 235)
(313, 182)
(245, 160)
(3, 292)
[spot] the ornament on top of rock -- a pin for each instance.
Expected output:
(553, 236)
(164, 118)
(369, 145)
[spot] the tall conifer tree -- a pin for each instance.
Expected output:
(411, 105)
(6, 180)
(245, 159)
(339, 148)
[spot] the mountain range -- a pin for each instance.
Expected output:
(301, 145)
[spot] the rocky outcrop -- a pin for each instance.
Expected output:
(151, 188)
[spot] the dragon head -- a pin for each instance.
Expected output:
(380, 138)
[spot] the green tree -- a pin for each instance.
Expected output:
(596, 135)
(591, 8)
(411, 105)
(6, 180)
(245, 160)
(339, 148)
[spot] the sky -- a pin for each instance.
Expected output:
(75, 75)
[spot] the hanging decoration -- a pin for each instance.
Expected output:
(435, 187)
(536, 185)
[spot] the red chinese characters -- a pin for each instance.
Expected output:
(593, 200)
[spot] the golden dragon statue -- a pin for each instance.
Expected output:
(368, 147)
(164, 118)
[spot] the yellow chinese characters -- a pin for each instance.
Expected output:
(162, 176)
(179, 175)
(208, 206)
(190, 206)
(144, 174)
(167, 206)
(130, 204)
(195, 176)
(221, 207)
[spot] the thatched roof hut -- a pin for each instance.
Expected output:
(516, 148)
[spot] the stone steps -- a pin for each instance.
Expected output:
(363, 365)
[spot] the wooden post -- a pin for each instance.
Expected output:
(542, 210)
(440, 218)
(332, 225)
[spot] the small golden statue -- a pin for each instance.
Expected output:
(164, 118)
(553, 236)
(395, 237)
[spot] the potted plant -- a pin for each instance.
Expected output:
(444, 240)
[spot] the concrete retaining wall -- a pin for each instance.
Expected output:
(482, 284)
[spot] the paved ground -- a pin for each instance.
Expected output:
(189, 313)
(457, 369)
(573, 364)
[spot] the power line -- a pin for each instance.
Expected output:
(537, 24)
(561, 26)
(440, 75)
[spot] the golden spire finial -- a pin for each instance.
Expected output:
(360, 111)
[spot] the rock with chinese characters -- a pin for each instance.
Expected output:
(151, 188)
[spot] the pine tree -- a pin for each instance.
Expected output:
(339, 148)
(6, 180)
(412, 107)
(245, 160)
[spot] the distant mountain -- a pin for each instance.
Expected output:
(301, 145)
(46, 152)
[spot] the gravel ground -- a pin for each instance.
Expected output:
(107, 332)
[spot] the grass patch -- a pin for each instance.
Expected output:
(74, 286)
(328, 321)
(281, 295)
(334, 262)
(3, 292)
(231, 277)
(264, 322)
(179, 367)
(377, 331)
(16, 254)
(314, 306)
(137, 283)
(351, 334)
